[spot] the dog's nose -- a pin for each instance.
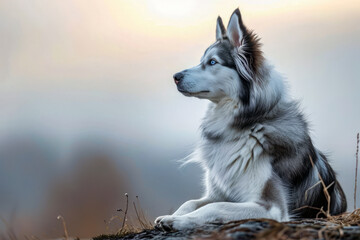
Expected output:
(178, 77)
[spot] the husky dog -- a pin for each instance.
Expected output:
(256, 152)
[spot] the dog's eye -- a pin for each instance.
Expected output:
(212, 62)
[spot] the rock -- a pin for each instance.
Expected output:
(253, 229)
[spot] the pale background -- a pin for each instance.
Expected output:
(89, 111)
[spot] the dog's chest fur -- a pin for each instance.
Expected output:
(236, 167)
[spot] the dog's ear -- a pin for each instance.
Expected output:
(220, 29)
(236, 30)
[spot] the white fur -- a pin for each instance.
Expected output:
(235, 175)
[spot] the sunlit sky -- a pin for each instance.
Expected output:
(118, 50)
(72, 68)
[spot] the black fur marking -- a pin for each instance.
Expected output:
(212, 136)
(222, 27)
(252, 51)
(270, 195)
(224, 49)
(245, 92)
(260, 112)
(295, 174)
(265, 205)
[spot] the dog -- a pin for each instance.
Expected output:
(256, 152)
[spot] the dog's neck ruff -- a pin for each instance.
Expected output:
(268, 101)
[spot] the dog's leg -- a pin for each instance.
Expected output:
(192, 205)
(222, 212)
(187, 207)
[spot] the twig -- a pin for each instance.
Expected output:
(325, 189)
(315, 208)
(126, 210)
(148, 224)
(138, 217)
(332, 183)
(356, 168)
(323, 212)
(306, 192)
(64, 226)
(141, 212)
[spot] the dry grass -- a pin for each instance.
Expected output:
(306, 229)
(331, 227)
(66, 235)
(128, 225)
(346, 219)
(299, 230)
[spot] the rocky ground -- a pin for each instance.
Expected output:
(255, 229)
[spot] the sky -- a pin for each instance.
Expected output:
(83, 82)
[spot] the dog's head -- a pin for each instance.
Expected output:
(228, 67)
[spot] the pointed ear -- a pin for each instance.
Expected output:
(236, 30)
(220, 29)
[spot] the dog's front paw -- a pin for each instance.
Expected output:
(165, 223)
(158, 219)
(174, 223)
